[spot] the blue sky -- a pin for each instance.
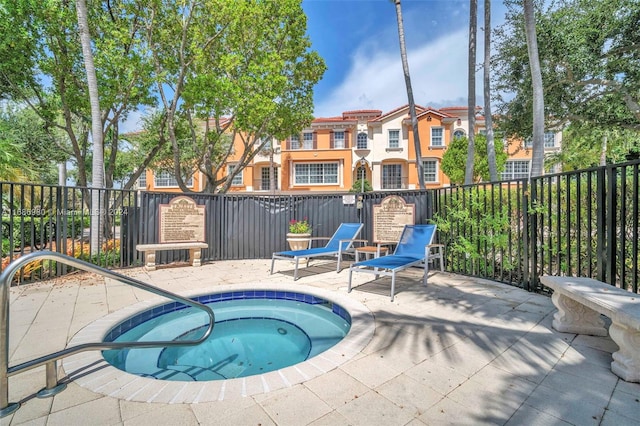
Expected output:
(358, 40)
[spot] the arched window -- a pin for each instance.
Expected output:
(362, 173)
(459, 134)
(361, 142)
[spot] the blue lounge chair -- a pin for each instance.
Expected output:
(412, 250)
(340, 243)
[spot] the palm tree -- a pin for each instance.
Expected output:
(538, 95)
(491, 150)
(97, 178)
(412, 104)
(473, 25)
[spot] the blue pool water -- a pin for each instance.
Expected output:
(255, 332)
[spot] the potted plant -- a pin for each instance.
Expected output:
(299, 235)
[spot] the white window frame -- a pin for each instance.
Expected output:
(431, 173)
(385, 176)
(316, 174)
(164, 179)
(393, 143)
(437, 141)
(307, 140)
(513, 169)
(142, 180)
(549, 139)
(362, 141)
(237, 179)
(294, 142)
(338, 142)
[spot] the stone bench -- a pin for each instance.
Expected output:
(580, 301)
(149, 250)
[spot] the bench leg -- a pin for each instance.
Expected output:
(626, 361)
(574, 317)
(195, 257)
(150, 260)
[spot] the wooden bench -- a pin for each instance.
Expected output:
(149, 250)
(580, 301)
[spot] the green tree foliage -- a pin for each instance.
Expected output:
(199, 68)
(242, 66)
(582, 146)
(455, 158)
(590, 59)
(47, 73)
(27, 150)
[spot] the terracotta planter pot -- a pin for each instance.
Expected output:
(298, 241)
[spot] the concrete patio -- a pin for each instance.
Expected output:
(461, 351)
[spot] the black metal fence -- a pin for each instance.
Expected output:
(582, 223)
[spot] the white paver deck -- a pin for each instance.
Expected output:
(460, 351)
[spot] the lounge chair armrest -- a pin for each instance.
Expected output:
(313, 240)
(346, 240)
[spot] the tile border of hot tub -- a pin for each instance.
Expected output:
(90, 371)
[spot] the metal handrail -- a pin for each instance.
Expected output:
(50, 360)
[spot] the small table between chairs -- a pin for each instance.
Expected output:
(371, 251)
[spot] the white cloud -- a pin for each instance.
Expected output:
(133, 122)
(376, 80)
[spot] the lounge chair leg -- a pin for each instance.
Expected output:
(349, 287)
(273, 260)
(393, 284)
(295, 272)
(426, 271)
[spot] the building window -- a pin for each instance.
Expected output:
(394, 138)
(437, 136)
(307, 140)
(142, 180)
(338, 139)
(549, 139)
(362, 141)
(459, 134)
(391, 176)
(316, 173)
(482, 132)
(430, 169)
(264, 178)
(294, 142)
(267, 144)
(528, 142)
(237, 179)
(167, 180)
(361, 173)
(516, 170)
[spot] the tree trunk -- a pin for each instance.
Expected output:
(488, 119)
(412, 104)
(62, 173)
(537, 162)
(603, 150)
(473, 24)
(272, 177)
(97, 178)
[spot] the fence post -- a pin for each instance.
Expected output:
(526, 264)
(601, 214)
(611, 225)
